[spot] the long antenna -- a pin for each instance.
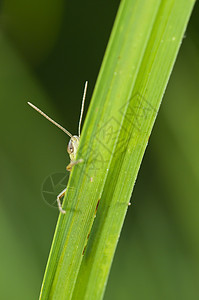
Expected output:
(49, 119)
(82, 108)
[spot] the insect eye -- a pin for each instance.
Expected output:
(70, 148)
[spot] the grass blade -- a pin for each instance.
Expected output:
(140, 56)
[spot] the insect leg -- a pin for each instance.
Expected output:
(73, 163)
(59, 201)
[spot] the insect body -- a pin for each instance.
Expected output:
(72, 145)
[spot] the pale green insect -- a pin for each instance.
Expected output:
(72, 145)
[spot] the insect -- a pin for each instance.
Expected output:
(72, 145)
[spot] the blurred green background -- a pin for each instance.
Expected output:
(47, 51)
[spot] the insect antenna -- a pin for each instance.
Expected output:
(49, 119)
(82, 108)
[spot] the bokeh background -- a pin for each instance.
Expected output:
(47, 51)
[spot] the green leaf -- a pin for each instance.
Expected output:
(140, 55)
